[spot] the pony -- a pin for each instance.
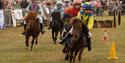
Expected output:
(56, 25)
(32, 28)
(67, 26)
(77, 42)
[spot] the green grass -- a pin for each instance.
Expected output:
(13, 50)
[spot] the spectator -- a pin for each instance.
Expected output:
(47, 10)
(17, 5)
(24, 4)
(67, 3)
(110, 8)
(1, 4)
(123, 6)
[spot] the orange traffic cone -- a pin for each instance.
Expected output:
(113, 52)
(105, 37)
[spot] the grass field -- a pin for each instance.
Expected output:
(13, 50)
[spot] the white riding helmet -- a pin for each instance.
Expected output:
(66, 0)
(59, 3)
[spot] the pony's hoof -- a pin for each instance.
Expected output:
(61, 42)
(66, 58)
(54, 42)
(27, 45)
(36, 43)
(89, 48)
(23, 33)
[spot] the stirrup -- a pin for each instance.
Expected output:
(61, 42)
(89, 48)
(23, 33)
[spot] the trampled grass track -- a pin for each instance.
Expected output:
(13, 50)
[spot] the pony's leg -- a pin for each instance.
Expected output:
(53, 35)
(76, 52)
(71, 55)
(61, 34)
(67, 55)
(56, 34)
(80, 53)
(36, 40)
(32, 43)
(65, 49)
(27, 40)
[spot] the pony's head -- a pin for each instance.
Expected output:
(76, 23)
(56, 15)
(31, 18)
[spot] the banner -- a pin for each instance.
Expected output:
(7, 17)
(78, 1)
(17, 14)
(1, 19)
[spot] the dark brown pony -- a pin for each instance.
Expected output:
(78, 41)
(32, 28)
(57, 25)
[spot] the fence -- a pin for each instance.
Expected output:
(10, 17)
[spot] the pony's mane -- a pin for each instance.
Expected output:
(31, 15)
(56, 15)
(76, 23)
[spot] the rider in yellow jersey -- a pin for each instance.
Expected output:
(86, 15)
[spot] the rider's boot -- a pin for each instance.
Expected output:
(88, 36)
(42, 28)
(24, 29)
(89, 44)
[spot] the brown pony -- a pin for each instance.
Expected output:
(32, 28)
(78, 40)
